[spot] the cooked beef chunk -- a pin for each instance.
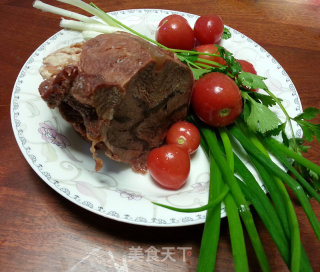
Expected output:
(121, 93)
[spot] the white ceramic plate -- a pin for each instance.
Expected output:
(62, 159)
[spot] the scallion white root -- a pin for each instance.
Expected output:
(90, 9)
(63, 12)
(82, 26)
(88, 34)
(89, 26)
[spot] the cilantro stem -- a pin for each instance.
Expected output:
(204, 61)
(288, 118)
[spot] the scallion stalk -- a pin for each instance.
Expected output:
(271, 166)
(211, 204)
(211, 231)
(238, 197)
(294, 155)
(63, 12)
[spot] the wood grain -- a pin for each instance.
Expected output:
(42, 231)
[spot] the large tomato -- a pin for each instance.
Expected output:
(169, 165)
(175, 32)
(216, 99)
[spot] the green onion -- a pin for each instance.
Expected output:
(281, 157)
(294, 155)
(83, 26)
(92, 10)
(271, 166)
(227, 147)
(238, 197)
(235, 227)
(236, 235)
(211, 204)
(267, 211)
(274, 186)
(211, 232)
(282, 204)
(63, 12)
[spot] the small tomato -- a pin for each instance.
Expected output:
(169, 165)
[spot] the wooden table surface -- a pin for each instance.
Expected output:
(42, 231)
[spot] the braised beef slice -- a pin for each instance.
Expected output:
(122, 96)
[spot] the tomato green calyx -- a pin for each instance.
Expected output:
(224, 112)
(216, 99)
(181, 140)
(165, 21)
(185, 135)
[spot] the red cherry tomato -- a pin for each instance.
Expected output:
(208, 29)
(185, 135)
(216, 99)
(211, 49)
(175, 32)
(169, 165)
(246, 66)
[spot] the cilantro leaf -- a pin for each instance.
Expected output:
(309, 130)
(226, 34)
(233, 65)
(297, 144)
(259, 117)
(308, 114)
(285, 139)
(252, 81)
(189, 59)
(276, 131)
(266, 100)
(199, 72)
(312, 177)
